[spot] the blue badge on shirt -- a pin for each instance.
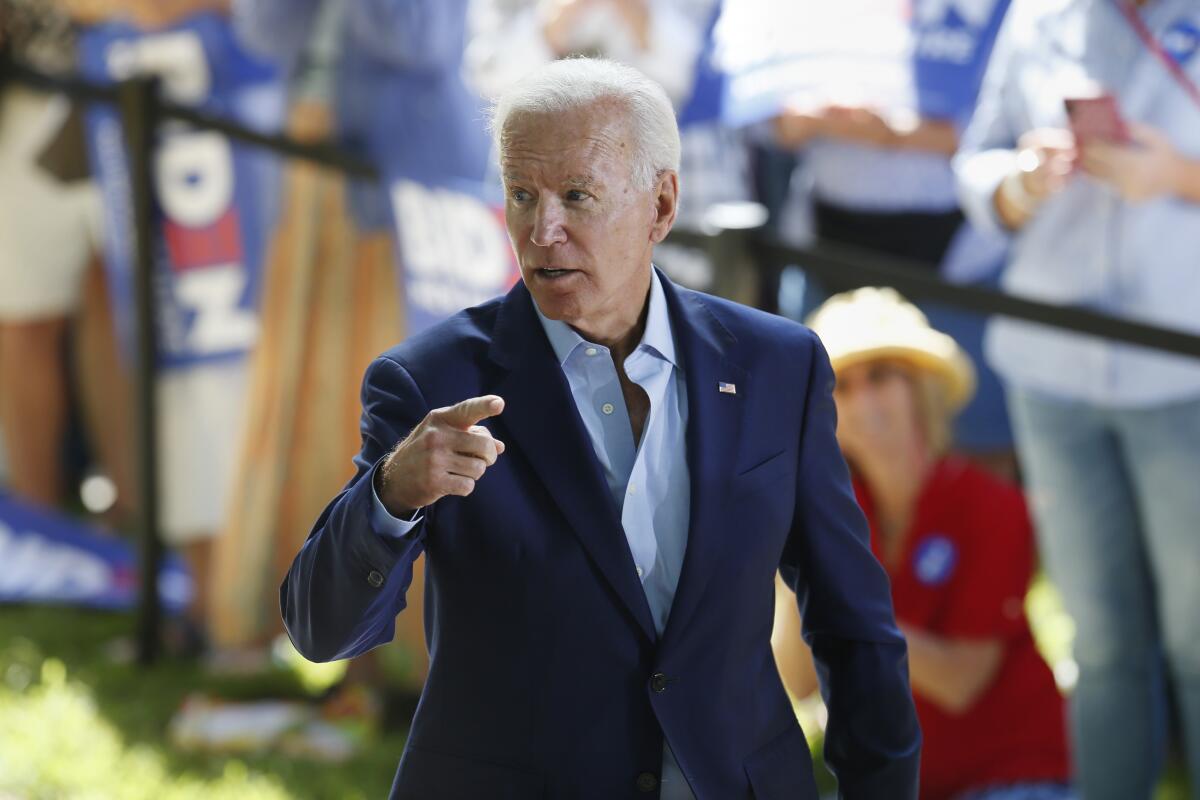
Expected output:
(935, 560)
(1182, 40)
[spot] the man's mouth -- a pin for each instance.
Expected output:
(554, 272)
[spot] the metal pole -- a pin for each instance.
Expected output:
(137, 100)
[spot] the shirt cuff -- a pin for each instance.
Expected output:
(979, 175)
(384, 523)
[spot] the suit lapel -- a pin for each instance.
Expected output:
(714, 423)
(541, 417)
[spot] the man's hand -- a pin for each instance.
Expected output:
(444, 455)
(1144, 170)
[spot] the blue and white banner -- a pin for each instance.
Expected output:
(924, 56)
(53, 559)
(452, 246)
(215, 200)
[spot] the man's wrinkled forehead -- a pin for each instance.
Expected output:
(584, 142)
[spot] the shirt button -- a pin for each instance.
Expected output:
(607, 408)
(375, 578)
(647, 782)
(639, 572)
(658, 682)
(633, 488)
(591, 351)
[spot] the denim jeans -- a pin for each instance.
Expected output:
(1115, 494)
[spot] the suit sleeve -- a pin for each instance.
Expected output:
(344, 588)
(872, 741)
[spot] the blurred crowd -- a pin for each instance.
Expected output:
(1047, 148)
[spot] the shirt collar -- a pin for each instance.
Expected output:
(657, 337)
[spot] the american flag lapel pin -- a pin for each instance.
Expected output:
(726, 388)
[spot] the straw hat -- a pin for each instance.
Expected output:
(870, 323)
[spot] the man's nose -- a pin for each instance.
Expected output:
(548, 224)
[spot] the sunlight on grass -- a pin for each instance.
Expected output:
(315, 678)
(55, 744)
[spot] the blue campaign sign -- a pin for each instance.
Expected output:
(53, 559)
(452, 246)
(952, 41)
(708, 89)
(922, 55)
(215, 201)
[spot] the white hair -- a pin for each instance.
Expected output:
(573, 83)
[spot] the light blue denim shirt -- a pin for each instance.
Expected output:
(649, 483)
(1086, 246)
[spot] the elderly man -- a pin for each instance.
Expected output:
(605, 472)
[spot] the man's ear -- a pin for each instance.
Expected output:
(666, 204)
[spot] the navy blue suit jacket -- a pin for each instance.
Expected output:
(541, 641)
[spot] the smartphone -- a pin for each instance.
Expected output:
(1097, 118)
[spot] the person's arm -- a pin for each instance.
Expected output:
(949, 672)
(866, 126)
(348, 582)
(987, 153)
(873, 741)
(414, 34)
(928, 135)
(792, 656)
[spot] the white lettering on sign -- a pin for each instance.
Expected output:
(221, 323)
(176, 58)
(35, 567)
(194, 176)
(453, 247)
(195, 183)
(975, 13)
(956, 46)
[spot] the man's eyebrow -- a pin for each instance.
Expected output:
(581, 181)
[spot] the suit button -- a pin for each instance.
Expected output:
(647, 782)
(375, 578)
(658, 682)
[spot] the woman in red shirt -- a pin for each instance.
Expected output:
(957, 545)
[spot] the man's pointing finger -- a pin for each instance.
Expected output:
(469, 412)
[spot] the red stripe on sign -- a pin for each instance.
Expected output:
(194, 248)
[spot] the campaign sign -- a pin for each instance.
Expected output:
(453, 249)
(214, 201)
(54, 559)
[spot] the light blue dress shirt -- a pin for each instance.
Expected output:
(649, 483)
(1087, 246)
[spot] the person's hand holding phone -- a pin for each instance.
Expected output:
(1146, 168)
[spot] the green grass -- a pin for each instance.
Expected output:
(75, 725)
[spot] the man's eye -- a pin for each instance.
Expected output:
(519, 195)
(575, 195)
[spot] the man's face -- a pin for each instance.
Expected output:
(582, 231)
